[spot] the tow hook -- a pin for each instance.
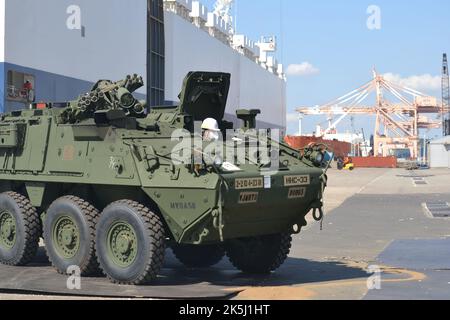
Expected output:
(296, 229)
(218, 222)
(317, 213)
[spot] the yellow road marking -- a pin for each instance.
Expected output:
(311, 291)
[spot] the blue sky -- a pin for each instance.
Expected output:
(333, 37)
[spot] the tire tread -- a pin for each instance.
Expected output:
(247, 263)
(91, 214)
(156, 232)
(199, 257)
(32, 226)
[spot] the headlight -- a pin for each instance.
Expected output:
(319, 158)
(318, 155)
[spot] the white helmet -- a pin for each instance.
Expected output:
(210, 124)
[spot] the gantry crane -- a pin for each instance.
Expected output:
(397, 124)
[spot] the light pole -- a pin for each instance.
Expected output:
(300, 123)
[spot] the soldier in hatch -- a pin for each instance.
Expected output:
(210, 130)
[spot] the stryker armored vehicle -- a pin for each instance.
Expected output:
(96, 180)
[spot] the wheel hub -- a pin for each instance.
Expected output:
(7, 230)
(122, 244)
(66, 237)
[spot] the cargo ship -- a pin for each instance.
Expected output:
(53, 50)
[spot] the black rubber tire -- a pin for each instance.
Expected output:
(85, 216)
(27, 232)
(193, 256)
(151, 247)
(259, 255)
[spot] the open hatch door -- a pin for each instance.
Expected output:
(204, 95)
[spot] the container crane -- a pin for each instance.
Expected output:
(397, 124)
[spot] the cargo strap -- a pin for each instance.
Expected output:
(221, 225)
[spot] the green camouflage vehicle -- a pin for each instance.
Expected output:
(95, 178)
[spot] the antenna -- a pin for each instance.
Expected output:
(445, 97)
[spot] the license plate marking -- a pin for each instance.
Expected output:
(248, 197)
(293, 181)
(251, 183)
(297, 193)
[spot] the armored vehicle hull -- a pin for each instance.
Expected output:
(96, 178)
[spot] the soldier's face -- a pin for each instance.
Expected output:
(210, 136)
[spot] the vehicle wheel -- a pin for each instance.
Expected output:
(130, 243)
(352, 168)
(259, 255)
(19, 229)
(69, 235)
(193, 256)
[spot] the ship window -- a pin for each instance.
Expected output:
(20, 86)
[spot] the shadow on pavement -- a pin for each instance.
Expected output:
(175, 280)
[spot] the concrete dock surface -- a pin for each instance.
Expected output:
(379, 240)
